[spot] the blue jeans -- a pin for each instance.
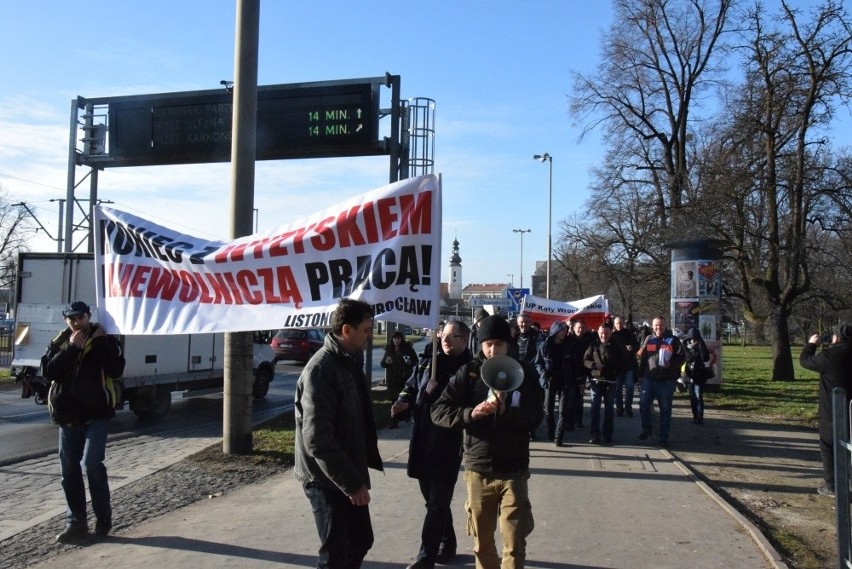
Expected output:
(602, 392)
(624, 390)
(345, 530)
(663, 391)
(696, 400)
(83, 447)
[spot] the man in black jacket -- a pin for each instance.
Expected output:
(606, 360)
(555, 374)
(80, 363)
(834, 365)
(529, 339)
(577, 341)
(434, 454)
(625, 382)
(336, 439)
(496, 448)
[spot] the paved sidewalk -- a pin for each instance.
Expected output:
(30, 492)
(629, 505)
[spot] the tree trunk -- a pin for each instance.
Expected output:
(782, 359)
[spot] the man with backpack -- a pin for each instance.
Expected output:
(80, 364)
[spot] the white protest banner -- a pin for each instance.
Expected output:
(592, 311)
(382, 247)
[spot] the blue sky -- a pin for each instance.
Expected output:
(499, 72)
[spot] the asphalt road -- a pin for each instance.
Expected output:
(26, 431)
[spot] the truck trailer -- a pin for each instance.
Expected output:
(155, 365)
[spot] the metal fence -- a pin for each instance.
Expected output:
(842, 461)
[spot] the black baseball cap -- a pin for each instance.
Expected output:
(76, 308)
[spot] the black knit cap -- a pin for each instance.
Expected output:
(494, 328)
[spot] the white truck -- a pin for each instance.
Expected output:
(155, 365)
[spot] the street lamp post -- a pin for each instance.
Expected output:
(522, 231)
(511, 279)
(549, 159)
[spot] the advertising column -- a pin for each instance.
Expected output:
(696, 298)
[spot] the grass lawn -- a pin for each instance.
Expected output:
(274, 439)
(746, 386)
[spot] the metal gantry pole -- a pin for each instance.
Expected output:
(70, 182)
(239, 346)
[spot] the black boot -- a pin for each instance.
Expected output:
(74, 532)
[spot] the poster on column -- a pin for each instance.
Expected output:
(709, 280)
(382, 247)
(592, 311)
(685, 280)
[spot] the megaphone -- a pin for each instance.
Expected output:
(502, 373)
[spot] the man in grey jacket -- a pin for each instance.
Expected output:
(336, 438)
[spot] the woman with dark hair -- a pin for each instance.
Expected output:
(399, 362)
(698, 370)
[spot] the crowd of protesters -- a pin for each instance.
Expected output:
(462, 415)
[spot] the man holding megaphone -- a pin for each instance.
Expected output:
(497, 401)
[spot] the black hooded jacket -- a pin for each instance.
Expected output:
(553, 361)
(696, 355)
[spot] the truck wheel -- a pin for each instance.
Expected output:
(162, 401)
(262, 378)
(150, 403)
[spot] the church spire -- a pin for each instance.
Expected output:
(455, 284)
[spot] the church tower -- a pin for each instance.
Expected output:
(455, 284)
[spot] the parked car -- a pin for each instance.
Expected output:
(297, 343)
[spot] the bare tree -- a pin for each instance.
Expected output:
(795, 73)
(16, 228)
(760, 175)
(613, 244)
(655, 59)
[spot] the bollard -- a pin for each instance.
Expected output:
(842, 449)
